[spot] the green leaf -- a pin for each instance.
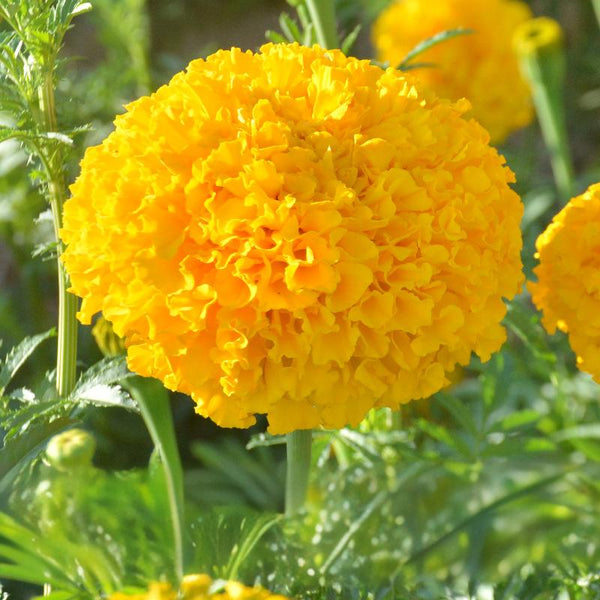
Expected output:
(289, 28)
(461, 414)
(587, 430)
(492, 507)
(7, 133)
(18, 355)
(19, 452)
(438, 38)
(519, 418)
(275, 37)
(153, 400)
(350, 39)
(40, 557)
(97, 386)
(526, 326)
(224, 538)
(240, 470)
(61, 595)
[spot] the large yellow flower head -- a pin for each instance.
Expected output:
(568, 287)
(296, 233)
(481, 66)
(201, 587)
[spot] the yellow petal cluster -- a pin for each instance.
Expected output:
(568, 287)
(295, 233)
(480, 66)
(199, 587)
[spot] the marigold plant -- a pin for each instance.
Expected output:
(480, 66)
(201, 587)
(568, 287)
(296, 233)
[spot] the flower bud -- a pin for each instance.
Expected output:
(71, 450)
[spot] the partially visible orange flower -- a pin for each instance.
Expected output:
(568, 287)
(295, 233)
(200, 587)
(480, 66)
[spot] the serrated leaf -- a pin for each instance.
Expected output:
(24, 395)
(107, 372)
(45, 251)
(106, 396)
(7, 133)
(20, 451)
(434, 40)
(18, 355)
(81, 9)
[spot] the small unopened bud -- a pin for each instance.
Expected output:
(72, 449)
(108, 341)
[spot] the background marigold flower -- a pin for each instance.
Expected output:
(296, 233)
(568, 287)
(200, 587)
(480, 66)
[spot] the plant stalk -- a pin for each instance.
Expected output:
(66, 359)
(322, 15)
(299, 451)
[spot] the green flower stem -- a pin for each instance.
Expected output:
(596, 4)
(299, 450)
(153, 401)
(322, 15)
(545, 70)
(66, 360)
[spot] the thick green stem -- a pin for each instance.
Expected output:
(66, 360)
(322, 16)
(299, 447)
(153, 401)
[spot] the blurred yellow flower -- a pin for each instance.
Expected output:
(480, 66)
(200, 587)
(537, 35)
(568, 287)
(296, 233)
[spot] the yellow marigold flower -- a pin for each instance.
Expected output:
(568, 287)
(480, 66)
(200, 587)
(296, 233)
